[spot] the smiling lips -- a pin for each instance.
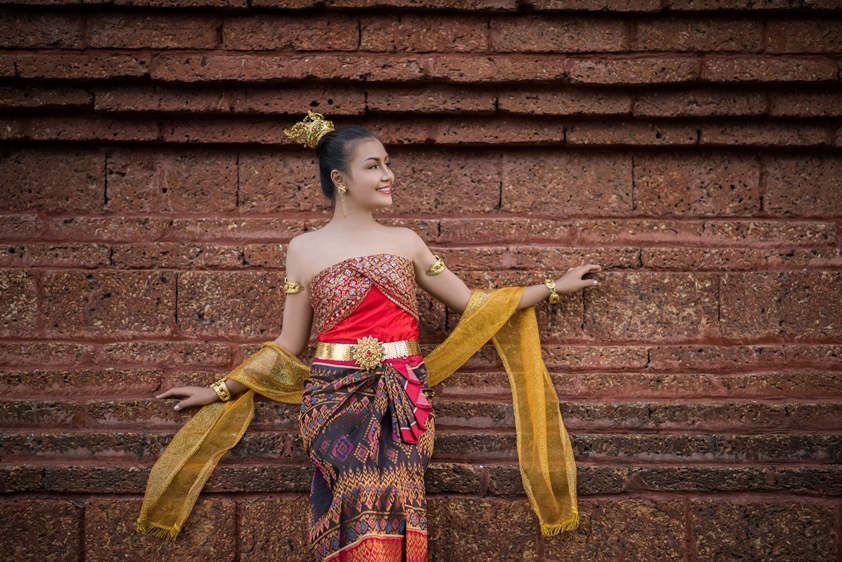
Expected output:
(387, 189)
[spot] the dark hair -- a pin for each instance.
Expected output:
(334, 153)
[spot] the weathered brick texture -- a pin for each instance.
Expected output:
(692, 148)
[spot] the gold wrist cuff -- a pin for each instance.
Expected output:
(437, 267)
(554, 297)
(221, 390)
(368, 352)
(291, 287)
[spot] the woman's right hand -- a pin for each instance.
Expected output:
(196, 396)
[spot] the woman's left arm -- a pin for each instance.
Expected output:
(448, 288)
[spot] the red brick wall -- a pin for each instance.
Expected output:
(690, 147)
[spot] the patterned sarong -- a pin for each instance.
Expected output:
(367, 501)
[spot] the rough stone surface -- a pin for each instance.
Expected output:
(760, 531)
(804, 186)
(41, 530)
(264, 522)
(18, 316)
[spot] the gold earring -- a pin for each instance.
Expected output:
(342, 189)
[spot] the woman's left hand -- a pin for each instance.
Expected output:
(572, 280)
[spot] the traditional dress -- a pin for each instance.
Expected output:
(369, 433)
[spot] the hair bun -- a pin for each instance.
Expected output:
(309, 130)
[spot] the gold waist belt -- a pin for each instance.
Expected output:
(368, 352)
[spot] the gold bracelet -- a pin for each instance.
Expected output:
(437, 267)
(221, 390)
(291, 287)
(553, 298)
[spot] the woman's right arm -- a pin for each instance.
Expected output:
(295, 335)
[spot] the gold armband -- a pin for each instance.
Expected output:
(553, 298)
(437, 267)
(221, 390)
(291, 287)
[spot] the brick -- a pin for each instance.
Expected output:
(595, 357)
(715, 358)
(501, 68)
(696, 184)
(109, 303)
(501, 230)
(148, 31)
(435, 181)
(819, 356)
(666, 305)
(330, 32)
(764, 530)
(260, 523)
(628, 71)
(468, 528)
(44, 353)
(573, 175)
(183, 3)
(532, 258)
(790, 35)
(278, 181)
(630, 133)
(695, 34)
(704, 479)
(475, 447)
(234, 304)
(554, 34)
(807, 104)
(19, 414)
(75, 446)
(642, 385)
(598, 5)
(105, 229)
(75, 479)
(473, 415)
(803, 186)
(796, 305)
(266, 478)
(567, 101)
(430, 99)
(152, 413)
(593, 480)
(784, 385)
(820, 4)
(7, 66)
(19, 227)
(269, 256)
(730, 134)
(19, 310)
(740, 259)
(410, 33)
(269, 414)
(218, 130)
(474, 131)
(41, 529)
(693, 5)
(82, 66)
(177, 255)
(825, 481)
(52, 180)
(20, 478)
(460, 478)
(55, 255)
(99, 128)
(170, 181)
(14, 128)
(80, 382)
(31, 97)
(110, 532)
(239, 230)
(166, 354)
(260, 67)
(712, 448)
(268, 101)
(32, 30)
(699, 102)
(493, 5)
(768, 69)
(770, 233)
(625, 529)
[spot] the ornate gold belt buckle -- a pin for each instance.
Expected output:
(368, 353)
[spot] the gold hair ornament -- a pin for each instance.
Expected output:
(309, 130)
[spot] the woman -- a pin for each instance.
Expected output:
(365, 417)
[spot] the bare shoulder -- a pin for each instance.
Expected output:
(297, 250)
(407, 239)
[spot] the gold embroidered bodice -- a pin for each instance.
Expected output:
(338, 289)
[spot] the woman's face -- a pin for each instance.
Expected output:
(369, 179)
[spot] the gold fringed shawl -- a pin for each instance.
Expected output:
(544, 451)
